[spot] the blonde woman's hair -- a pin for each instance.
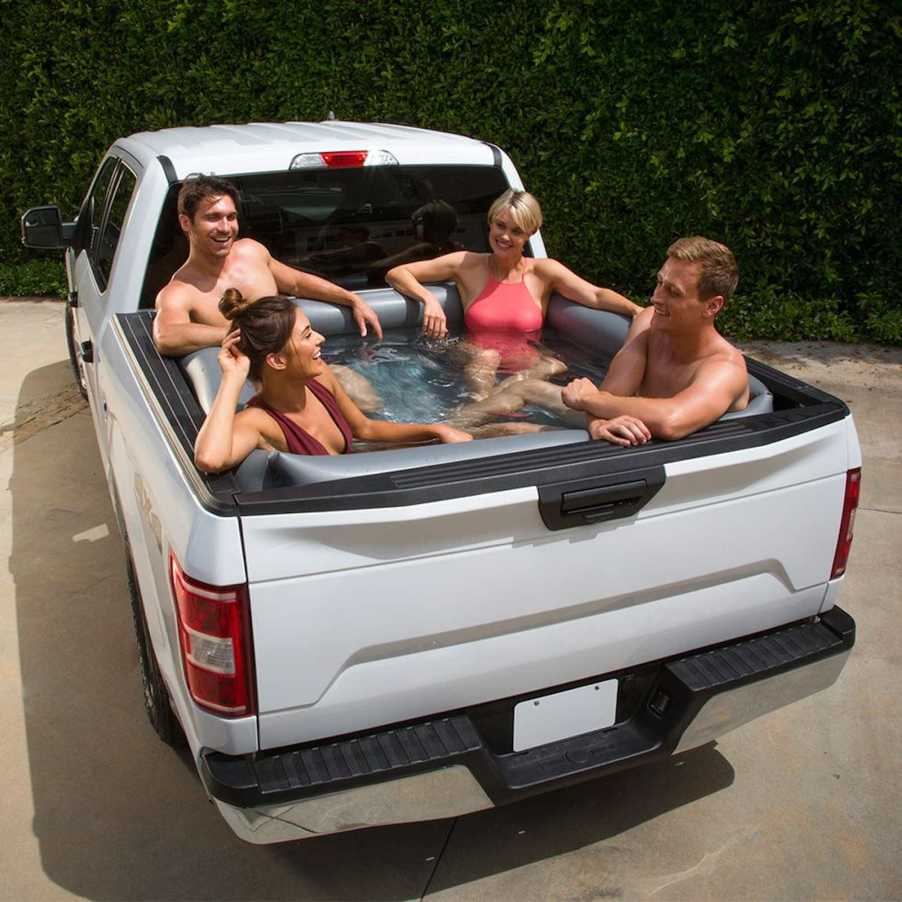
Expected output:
(525, 210)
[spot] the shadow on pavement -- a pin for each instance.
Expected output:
(540, 829)
(120, 816)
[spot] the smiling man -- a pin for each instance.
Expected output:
(188, 316)
(675, 373)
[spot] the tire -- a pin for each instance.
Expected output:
(156, 697)
(73, 351)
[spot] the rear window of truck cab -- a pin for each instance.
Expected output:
(347, 225)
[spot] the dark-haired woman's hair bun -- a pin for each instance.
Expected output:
(233, 303)
(265, 324)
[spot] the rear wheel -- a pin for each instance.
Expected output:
(156, 697)
(74, 356)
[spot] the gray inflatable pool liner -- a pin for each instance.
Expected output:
(593, 329)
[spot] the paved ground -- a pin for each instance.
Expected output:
(804, 804)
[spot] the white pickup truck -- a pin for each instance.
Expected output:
(420, 633)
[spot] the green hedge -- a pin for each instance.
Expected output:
(774, 127)
(34, 278)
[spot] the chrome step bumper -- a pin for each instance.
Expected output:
(456, 764)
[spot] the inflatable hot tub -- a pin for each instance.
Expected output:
(596, 330)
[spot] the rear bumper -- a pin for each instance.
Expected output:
(462, 762)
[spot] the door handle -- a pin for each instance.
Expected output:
(584, 501)
(86, 350)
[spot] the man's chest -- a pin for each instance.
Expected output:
(251, 282)
(665, 377)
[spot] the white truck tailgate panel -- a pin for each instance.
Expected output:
(522, 609)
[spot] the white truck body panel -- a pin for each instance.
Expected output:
(372, 617)
(606, 598)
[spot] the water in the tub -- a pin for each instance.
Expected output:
(421, 379)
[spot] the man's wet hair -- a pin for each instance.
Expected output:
(719, 271)
(198, 188)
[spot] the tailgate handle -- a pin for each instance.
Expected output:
(603, 503)
(582, 502)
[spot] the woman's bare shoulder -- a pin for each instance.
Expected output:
(269, 432)
(253, 416)
(470, 260)
(545, 266)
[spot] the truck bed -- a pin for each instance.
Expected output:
(395, 478)
(375, 594)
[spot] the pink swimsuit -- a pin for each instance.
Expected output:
(299, 440)
(505, 318)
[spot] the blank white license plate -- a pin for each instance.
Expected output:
(564, 714)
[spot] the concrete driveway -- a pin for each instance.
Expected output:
(803, 804)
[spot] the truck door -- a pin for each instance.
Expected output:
(104, 213)
(82, 283)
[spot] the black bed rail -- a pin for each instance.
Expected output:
(179, 411)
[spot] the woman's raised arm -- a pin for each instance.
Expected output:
(575, 288)
(408, 279)
(225, 439)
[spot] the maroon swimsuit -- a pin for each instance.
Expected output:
(300, 441)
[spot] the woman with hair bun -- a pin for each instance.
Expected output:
(301, 407)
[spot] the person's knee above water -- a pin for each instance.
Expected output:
(676, 373)
(505, 295)
(301, 407)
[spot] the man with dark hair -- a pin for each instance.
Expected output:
(188, 316)
(198, 188)
(675, 372)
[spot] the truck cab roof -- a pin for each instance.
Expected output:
(271, 146)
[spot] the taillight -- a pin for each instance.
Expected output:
(214, 634)
(847, 524)
(342, 159)
(334, 159)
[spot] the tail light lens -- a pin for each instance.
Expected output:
(214, 635)
(342, 159)
(333, 159)
(847, 524)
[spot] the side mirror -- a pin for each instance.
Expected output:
(43, 227)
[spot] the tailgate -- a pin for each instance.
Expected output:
(365, 615)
